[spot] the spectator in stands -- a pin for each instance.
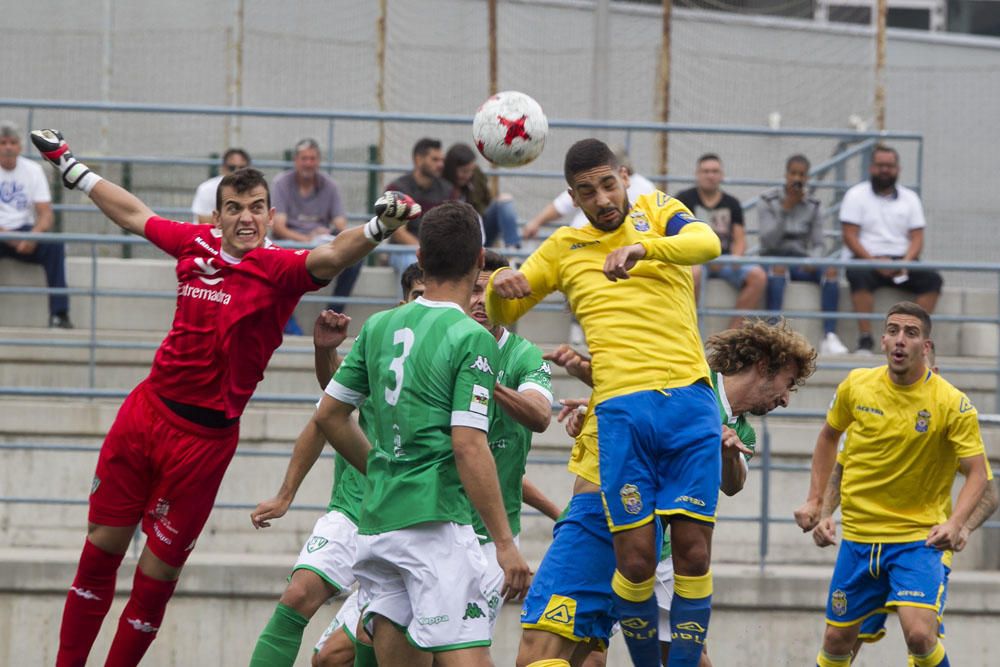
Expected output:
(883, 220)
(204, 196)
(724, 214)
(563, 205)
(26, 206)
(308, 208)
(426, 186)
(791, 225)
(470, 185)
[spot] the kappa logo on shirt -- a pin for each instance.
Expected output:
(206, 268)
(482, 364)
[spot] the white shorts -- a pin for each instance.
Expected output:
(427, 579)
(347, 618)
(663, 588)
(493, 581)
(330, 550)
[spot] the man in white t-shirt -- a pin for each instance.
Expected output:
(26, 206)
(883, 220)
(205, 196)
(563, 205)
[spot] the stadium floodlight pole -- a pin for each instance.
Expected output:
(664, 88)
(881, 13)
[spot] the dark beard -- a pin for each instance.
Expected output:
(880, 184)
(606, 227)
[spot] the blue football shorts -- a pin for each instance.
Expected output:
(660, 453)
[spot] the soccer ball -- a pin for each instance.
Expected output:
(509, 129)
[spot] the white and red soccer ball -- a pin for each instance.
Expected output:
(509, 129)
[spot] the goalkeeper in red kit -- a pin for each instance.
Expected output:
(163, 459)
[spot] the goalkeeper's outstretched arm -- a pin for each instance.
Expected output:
(121, 206)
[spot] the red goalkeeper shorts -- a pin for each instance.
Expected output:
(160, 469)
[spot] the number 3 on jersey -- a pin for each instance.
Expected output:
(402, 337)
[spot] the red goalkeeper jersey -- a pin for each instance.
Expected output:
(229, 318)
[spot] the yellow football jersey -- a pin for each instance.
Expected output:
(584, 457)
(642, 332)
(901, 453)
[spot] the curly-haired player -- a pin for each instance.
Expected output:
(570, 610)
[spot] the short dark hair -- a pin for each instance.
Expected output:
(457, 156)
(451, 239)
(411, 274)
(913, 310)
(587, 154)
(243, 180)
(798, 158)
(494, 261)
(705, 157)
(882, 148)
(425, 146)
(236, 151)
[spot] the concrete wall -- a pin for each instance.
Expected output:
(761, 618)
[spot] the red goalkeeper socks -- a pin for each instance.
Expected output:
(140, 620)
(87, 604)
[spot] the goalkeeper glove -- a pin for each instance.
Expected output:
(392, 211)
(53, 147)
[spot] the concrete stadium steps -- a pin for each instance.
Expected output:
(271, 428)
(543, 327)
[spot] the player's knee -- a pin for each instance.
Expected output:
(920, 640)
(336, 656)
(693, 560)
(637, 565)
(839, 641)
(304, 596)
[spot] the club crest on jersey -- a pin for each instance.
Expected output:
(838, 602)
(315, 543)
(639, 221)
(206, 268)
(923, 420)
(631, 498)
(161, 509)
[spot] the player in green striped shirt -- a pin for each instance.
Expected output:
(428, 370)
(522, 406)
(324, 566)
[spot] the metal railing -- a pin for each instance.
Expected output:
(764, 466)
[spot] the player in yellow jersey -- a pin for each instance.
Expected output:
(627, 278)
(824, 533)
(910, 430)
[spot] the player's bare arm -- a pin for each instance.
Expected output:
(576, 364)
(946, 535)
(121, 206)
(528, 408)
(335, 421)
(823, 460)
(308, 447)
(329, 332)
(734, 469)
(478, 472)
(984, 510)
(392, 211)
(825, 532)
(532, 496)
